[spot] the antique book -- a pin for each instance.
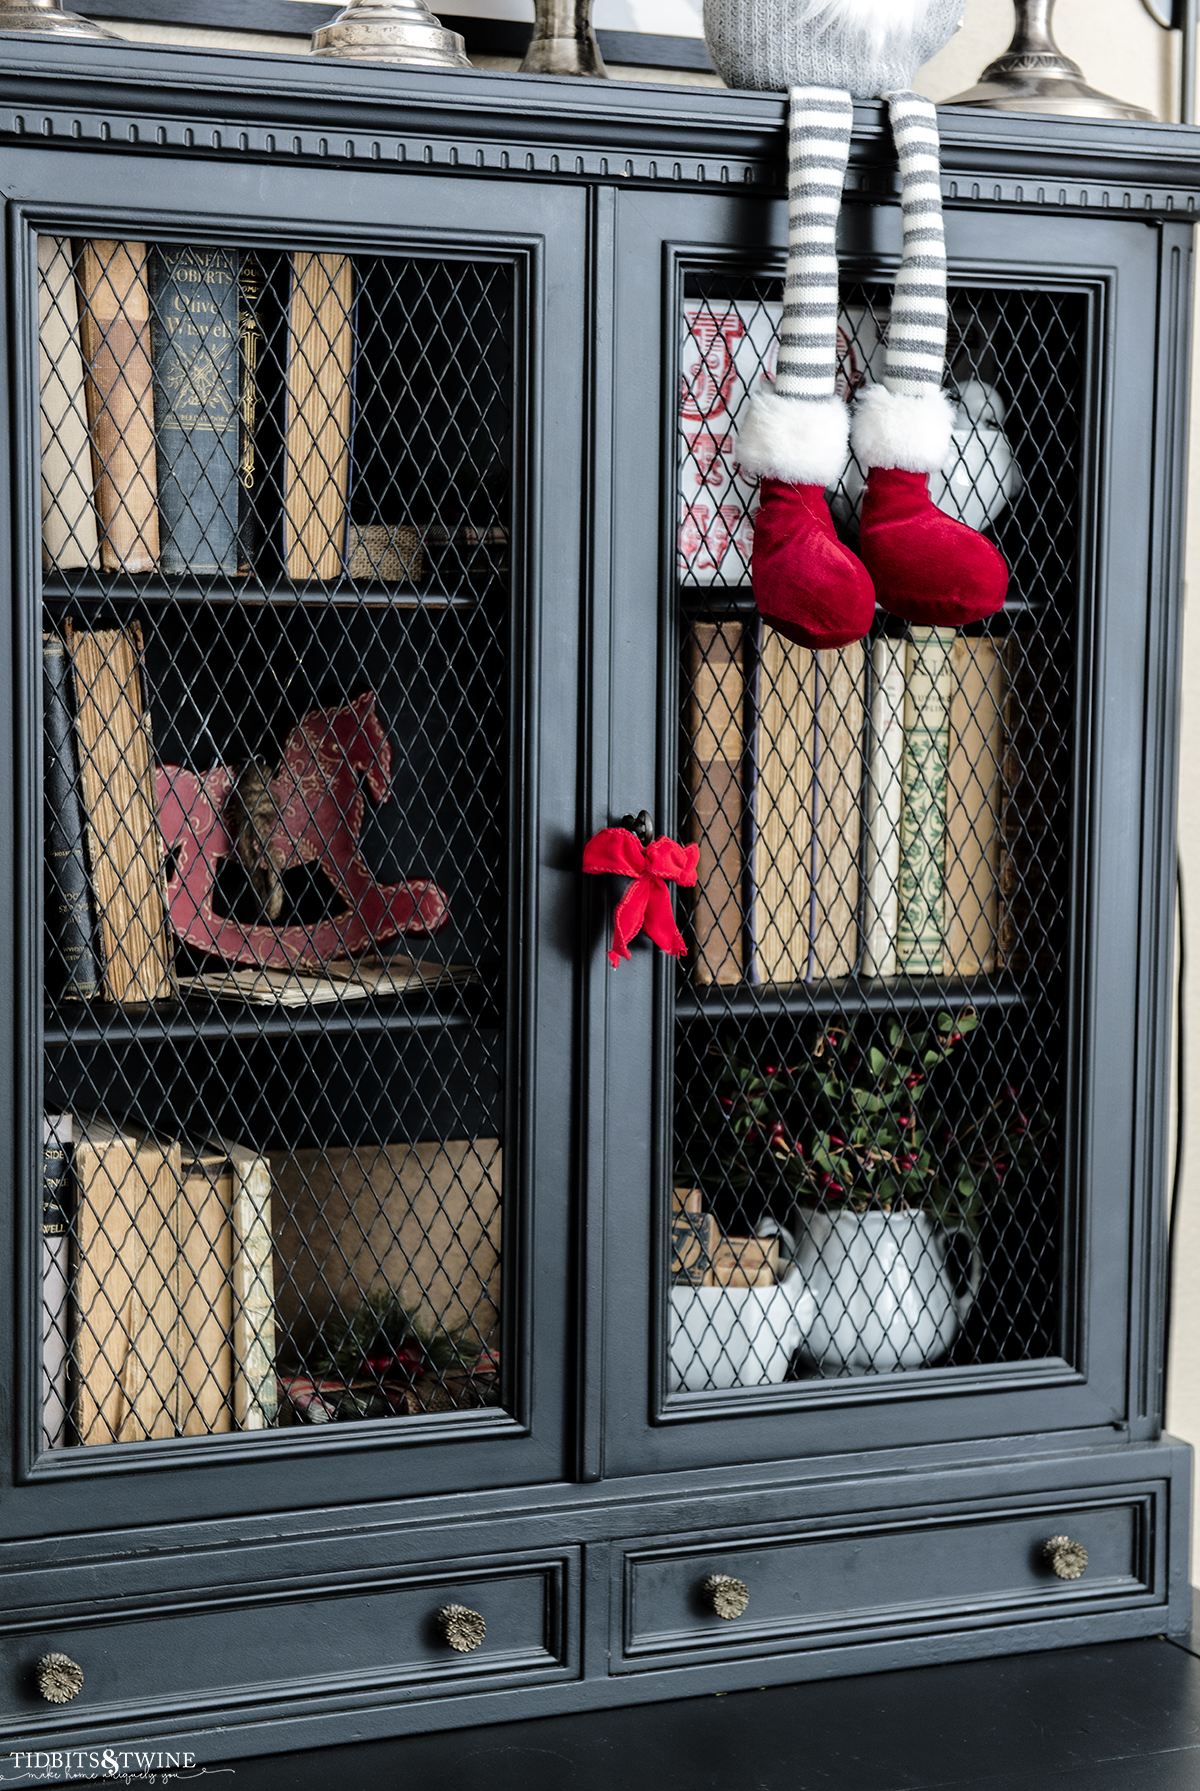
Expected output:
(319, 409)
(116, 772)
(69, 537)
(744, 1262)
(808, 779)
(391, 553)
(921, 913)
(173, 1310)
(694, 1238)
(255, 1392)
(974, 781)
(72, 968)
(114, 334)
(1036, 782)
(194, 338)
(57, 1204)
(124, 1280)
(714, 669)
(881, 808)
(349, 979)
(251, 348)
(203, 1348)
(264, 284)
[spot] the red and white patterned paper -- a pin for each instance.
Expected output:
(728, 348)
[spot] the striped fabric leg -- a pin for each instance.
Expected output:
(916, 345)
(905, 420)
(926, 567)
(819, 124)
(796, 427)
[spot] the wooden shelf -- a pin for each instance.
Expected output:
(877, 996)
(184, 1021)
(93, 588)
(737, 600)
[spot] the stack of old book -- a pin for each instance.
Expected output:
(883, 812)
(346, 979)
(702, 1255)
(198, 414)
(158, 1293)
(106, 908)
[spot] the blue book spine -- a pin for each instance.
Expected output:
(194, 338)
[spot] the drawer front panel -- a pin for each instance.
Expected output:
(367, 1638)
(919, 1571)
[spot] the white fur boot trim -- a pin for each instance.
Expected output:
(890, 429)
(800, 440)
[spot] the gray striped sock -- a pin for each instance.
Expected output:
(916, 342)
(819, 124)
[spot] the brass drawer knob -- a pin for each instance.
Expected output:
(59, 1679)
(1068, 1559)
(725, 1595)
(462, 1630)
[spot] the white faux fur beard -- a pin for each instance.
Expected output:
(878, 22)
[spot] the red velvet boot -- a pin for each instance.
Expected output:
(806, 584)
(927, 567)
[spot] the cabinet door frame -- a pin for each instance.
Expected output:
(1117, 997)
(541, 234)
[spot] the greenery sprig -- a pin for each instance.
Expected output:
(890, 1119)
(385, 1338)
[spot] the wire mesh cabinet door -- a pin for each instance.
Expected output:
(892, 1147)
(283, 631)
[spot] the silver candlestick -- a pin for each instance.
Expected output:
(390, 31)
(48, 18)
(1033, 75)
(563, 42)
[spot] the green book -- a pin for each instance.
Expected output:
(922, 880)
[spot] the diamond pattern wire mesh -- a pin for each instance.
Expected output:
(276, 513)
(869, 1032)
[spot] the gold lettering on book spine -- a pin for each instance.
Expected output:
(251, 288)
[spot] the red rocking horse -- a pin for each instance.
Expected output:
(316, 807)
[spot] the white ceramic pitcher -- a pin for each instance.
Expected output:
(882, 1296)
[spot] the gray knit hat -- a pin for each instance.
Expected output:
(773, 45)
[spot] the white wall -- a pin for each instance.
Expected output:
(1115, 42)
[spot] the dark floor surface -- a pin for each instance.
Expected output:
(1119, 1718)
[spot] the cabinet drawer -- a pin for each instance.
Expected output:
(917, 1572)
(328, 1640)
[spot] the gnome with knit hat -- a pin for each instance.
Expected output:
(914, 560)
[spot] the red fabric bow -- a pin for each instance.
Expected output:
(648, 902)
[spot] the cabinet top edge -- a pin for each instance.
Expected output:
(149, 99)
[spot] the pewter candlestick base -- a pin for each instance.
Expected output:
(563, 41)
(390, 31)
(48, 18)
(1033, 75)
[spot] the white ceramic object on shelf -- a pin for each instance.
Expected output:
(735, 1336)
(980, 478)
(881, 1292)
